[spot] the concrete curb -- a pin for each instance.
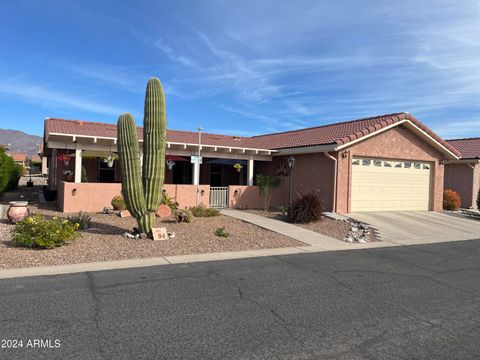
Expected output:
(180, 259)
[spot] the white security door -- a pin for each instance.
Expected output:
(390, 185)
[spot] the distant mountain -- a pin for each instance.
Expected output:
(20, 141)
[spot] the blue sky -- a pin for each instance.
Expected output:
(242, 67)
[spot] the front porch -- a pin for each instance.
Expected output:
(86, 173)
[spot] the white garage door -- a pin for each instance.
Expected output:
(390, 185)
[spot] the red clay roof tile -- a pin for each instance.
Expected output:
(469, 148)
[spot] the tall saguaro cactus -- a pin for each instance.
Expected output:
(143, 189)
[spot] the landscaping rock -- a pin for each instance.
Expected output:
(125, 213)
(128, 235)
(163, 212)
(107, 210)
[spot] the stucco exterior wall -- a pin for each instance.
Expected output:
(93, 197)
(396, 143)
(465, 180)
(244, 197)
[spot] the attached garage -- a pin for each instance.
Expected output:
(390, 185)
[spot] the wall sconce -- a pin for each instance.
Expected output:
(74, 192)
(236, 193)
(202, 192)
(344, 154)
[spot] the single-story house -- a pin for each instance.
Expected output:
(390, 162)
(463, 175)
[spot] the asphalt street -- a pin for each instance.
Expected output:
(415, 302)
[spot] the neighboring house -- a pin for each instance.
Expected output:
(383, 163)
(463, 175)
(6, 147)
(19, 158)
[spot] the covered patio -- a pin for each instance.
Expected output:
(85, 169)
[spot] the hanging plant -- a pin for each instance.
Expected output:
(238, 167)
(170, 164)
(65, 158)
(109, 160)
(69, 176)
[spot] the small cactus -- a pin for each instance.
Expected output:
(142, 190)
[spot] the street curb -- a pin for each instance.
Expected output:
(179, 259)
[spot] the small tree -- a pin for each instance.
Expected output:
(266, 184)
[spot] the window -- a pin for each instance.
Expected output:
(417, 165)
(366, 162)
(398, 165)
(426, 167)
(387, 164)
(356, 162)
(377, 162)
(407, 165)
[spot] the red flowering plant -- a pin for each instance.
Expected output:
(64, 157)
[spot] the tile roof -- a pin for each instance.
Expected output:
(332, 134)
(469, 148)
(18, 156)
(88, 128)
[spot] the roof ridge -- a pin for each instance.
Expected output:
(113, 124)
(332, 124)
(468, 138)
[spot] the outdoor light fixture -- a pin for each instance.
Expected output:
(291, 162)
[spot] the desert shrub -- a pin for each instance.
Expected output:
(451, 200)
(265, 185)
(183, 215)
(202, 211)
(38, 232)
(221, 232)
(305, 209)
(82, 219)
(118, 203)
(168, 201)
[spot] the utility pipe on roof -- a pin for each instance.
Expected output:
(334, 195)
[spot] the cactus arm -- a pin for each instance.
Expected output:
(130, 165)
(154, 140)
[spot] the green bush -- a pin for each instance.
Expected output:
(41, 233)
(118, 203)
(7, 169)
(82, 219)
(202, 211)
(265, 185)
(183, 215)
(15, 175)
(221, 232)
(305, 209)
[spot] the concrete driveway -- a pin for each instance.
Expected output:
(419, 227)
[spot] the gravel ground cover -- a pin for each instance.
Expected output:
(104, 241)
(329, 227)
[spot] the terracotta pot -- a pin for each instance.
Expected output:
(18, 211)
(69, 178)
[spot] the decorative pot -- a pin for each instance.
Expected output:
(18, 211)
(69, 178)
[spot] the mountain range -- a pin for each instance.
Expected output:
(18, 141)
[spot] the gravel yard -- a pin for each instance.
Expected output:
(104, 241)
(329, 227)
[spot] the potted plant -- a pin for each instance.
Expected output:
(109, 160)
(238, 167)
(65, 158)
(69, 175)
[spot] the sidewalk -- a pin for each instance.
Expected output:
(295, 232)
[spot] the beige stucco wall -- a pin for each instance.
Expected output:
(465, 180)
(396, 143)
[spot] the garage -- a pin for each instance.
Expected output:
(390, 185)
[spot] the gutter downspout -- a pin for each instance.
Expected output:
(334, 195)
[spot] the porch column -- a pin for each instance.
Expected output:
(250, 172)
(78, 165)
(196, 173)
